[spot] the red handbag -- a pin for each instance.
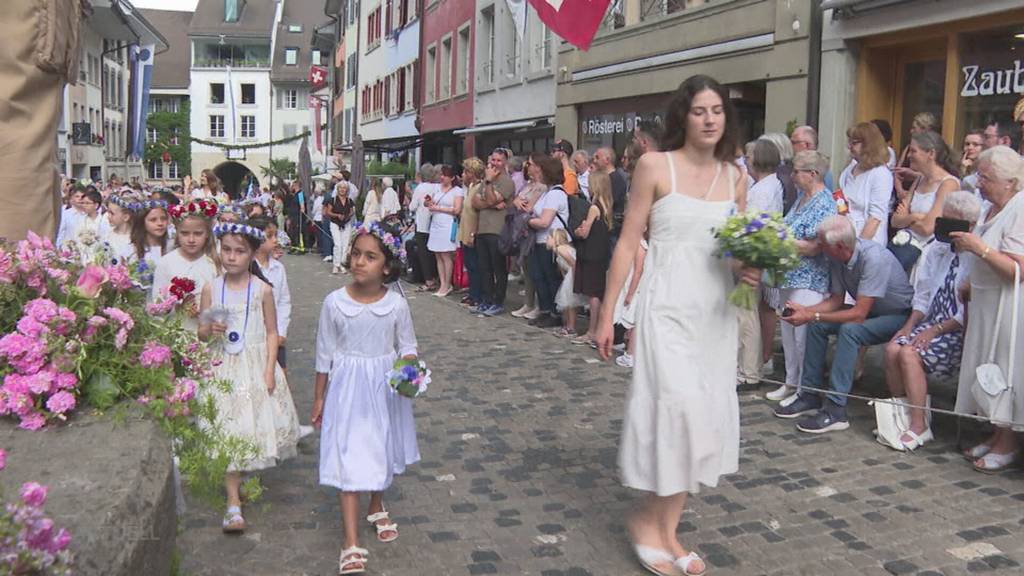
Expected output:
(460, 279)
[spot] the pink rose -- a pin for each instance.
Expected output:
(41, 310)
(154, 355)
(3, 458)
(61, 403)
(119, 277)
(66, 380)
(7, 272)
(91, 282)
(32, 421)
(32, 493)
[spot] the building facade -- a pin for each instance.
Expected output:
(389, 47)
(167, 124)
(960, 61)
(230, 86)
(514, 84)
(760, 49)
(447, 80)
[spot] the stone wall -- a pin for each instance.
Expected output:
(111, 485)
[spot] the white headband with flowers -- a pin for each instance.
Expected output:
(235, 228)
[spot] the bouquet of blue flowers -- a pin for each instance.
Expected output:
(760, 241)
(409, 378)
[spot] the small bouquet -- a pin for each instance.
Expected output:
(183, 288)
(409, 378)
(761, 241)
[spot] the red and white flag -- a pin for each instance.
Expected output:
(576, 21)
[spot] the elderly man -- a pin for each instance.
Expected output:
(604, 161)
(581, 163)
(806, 138)
(876, 280)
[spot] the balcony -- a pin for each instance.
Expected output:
(236, 54)
(224, 63)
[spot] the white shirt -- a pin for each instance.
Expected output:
(765, 195)
(265, 199)
(417, 204)
(122, 251)
(553, 199)
(276, 273)
(318, 209)
(201, 270)
(68, 220)
(584, 181)
(389, 203)
(868, 196)
(931, 274)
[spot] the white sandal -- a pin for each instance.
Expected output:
(351, 557)
(648, 557)
(916, 440)
(684, 563)
(978, 451)
(233, 522)
(994, 463)
(382, 528)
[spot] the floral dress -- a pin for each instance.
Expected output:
(942, 356)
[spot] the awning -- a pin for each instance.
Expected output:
(501, 126)
(119, 20)
(854, 6)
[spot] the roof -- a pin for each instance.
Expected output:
(170, 68)
(255, 21)
(310, 16)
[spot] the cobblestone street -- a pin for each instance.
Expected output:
(519, 436)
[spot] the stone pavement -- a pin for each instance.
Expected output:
(519, 438)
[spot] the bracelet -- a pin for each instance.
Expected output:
(984, 254)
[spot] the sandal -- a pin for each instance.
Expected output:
(233, 522)
(352, 561)
(994, 463)
(649, 557)
(916, 440)
(978, 451)
(684, 563)
(383, 528)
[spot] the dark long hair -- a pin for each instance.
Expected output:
(450, 171)
(679, 109)
(138, 233)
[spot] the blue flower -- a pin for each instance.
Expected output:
(409, 372)
(754, 226)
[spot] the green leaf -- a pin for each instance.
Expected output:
(100, 391)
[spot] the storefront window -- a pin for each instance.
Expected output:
(991, 80)
(924, 83)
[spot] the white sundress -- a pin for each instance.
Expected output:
(247, 410)
(368, 433)
(565, 298)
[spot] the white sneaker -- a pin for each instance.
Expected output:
(519, 312)
(768, 368)
(789, 400)
(626, 361)
(533, 314)
(619, 347)
(514, 277)
(336, 270)
(328, 258)
(779, 393)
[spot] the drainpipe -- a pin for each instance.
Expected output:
(814, 64)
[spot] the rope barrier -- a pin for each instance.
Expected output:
(893, 402)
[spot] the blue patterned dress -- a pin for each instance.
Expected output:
(942, 356)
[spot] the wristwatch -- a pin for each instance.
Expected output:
(817, 316)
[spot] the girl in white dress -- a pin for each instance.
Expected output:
(119, 235)
(150, 236)
(368, 434)
(238, 311)
(565, 299)
(193, 258)
(681, 428)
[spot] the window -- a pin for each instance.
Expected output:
(462, 67)
(291, 56)
(290, 130)
(430, 74)
(389, 20)
(373, 26)
(232, 9)
(248, 93)
(295, 28)
(446, 68)
(487, 17)
(172, 170)
(248, 126)
(156, 170)
(155, 105)
(216, 93)
(174, 136)
(316, 57)
(290, 99)
(353, 11)
(350, 71)
(151, 134)
(408, 87)
(216, 126)
(349, 124)
(512, 49)
(120, 91)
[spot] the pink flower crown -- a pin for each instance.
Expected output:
(393, 243)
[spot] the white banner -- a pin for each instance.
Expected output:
(518, 10)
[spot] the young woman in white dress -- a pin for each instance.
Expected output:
(193, 258)
(443, 209)
(368, 433)
(680, 432)
(243, 320)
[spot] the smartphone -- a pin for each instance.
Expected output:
(944, 226)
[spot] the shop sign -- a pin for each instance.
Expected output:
(982, 82)
(608, 124)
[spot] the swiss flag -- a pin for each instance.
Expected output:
(576, 21)
(317, 77)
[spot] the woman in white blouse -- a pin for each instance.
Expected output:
(931, 341)
(867, 182)
(389, 203)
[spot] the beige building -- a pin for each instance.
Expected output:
(759, 48)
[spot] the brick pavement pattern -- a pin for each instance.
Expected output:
(519, 438)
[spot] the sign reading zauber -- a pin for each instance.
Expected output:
(978, 81)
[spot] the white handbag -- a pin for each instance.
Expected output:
(994, 390)
(892, 419)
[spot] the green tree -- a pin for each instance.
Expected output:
(172, 136)
(282, 168)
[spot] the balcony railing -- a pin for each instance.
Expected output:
(209, 63)
(650, 9)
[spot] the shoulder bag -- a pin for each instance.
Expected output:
(993, 391)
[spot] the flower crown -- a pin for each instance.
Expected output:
(147, 205)
(232, 208)
(202, 208)
(243, 229)
(393, 243)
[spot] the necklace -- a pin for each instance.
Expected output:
(234, 338)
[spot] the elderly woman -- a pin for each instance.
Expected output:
(921, 204)
(932, 340)
(525, 198)
(997, 246)
(389, 202)
(808, 283)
